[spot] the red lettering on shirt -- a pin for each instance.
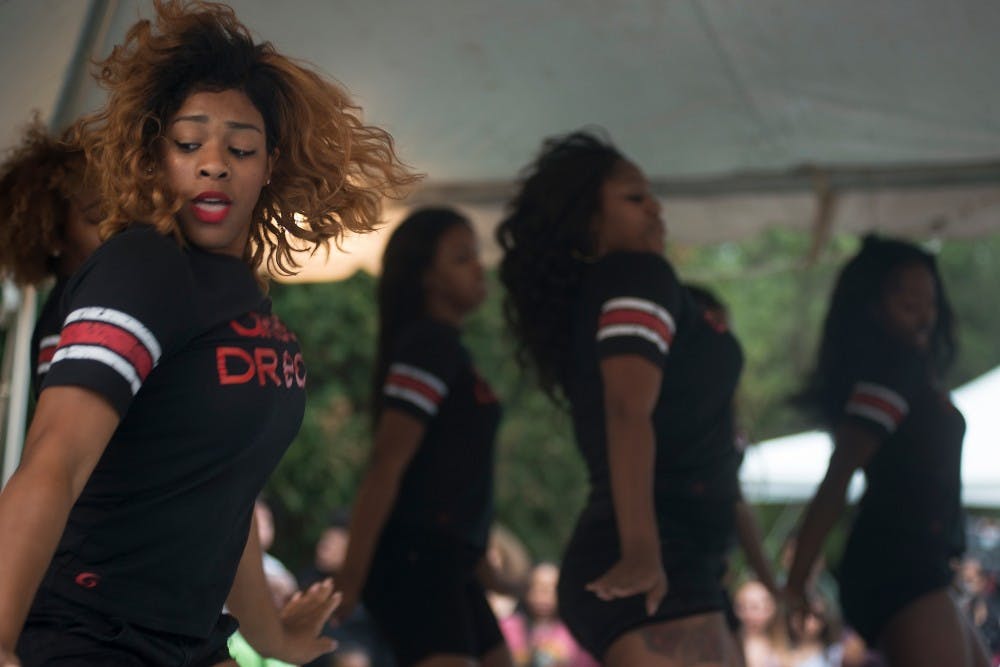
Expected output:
(223, 354)
(300, 371)
(288, 366)
(263, 326)
(267, 365)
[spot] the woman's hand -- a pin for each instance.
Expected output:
(636, 575)
(796, 606)
(302, 621)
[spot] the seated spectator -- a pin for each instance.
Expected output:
(759, 627)
(359, 642)
(331, 549)
(537, 638)
(976, 598)
(352, 656)
(508, 557)
(279, 579)
(818, 642)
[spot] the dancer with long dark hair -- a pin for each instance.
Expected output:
(878, 386)
(174, 390)
(422, 516)
(602, 318)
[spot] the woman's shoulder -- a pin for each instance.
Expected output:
(637, 275)
(139, 249)
(426, 337)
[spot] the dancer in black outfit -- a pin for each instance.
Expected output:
(174, 390)
(602, 318)
(49, 220)
(422, 516)
(886, 343)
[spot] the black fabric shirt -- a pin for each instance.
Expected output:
(448, 486)
(914, 484)
(210, 389)
(632, 304)
(45, 337)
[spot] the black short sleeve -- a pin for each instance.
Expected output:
(640, 303)
(428, 356)
(882, 391)
(128, 307)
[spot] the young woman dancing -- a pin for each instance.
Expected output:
(174, 390)
(878, 387)
(601, 316)
(422, 517)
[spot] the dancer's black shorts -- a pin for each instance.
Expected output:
(63, 633)
(880, 575)
(423, 593)
(694, 541)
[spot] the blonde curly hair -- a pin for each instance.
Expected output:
(333, 169)
(37, 180)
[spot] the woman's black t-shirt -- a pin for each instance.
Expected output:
(448, 487)
(210, 387)
(632, 304)
(913, 496)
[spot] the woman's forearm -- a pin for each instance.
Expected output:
(376, 497)
(68, 434)
(824, 510)
(750, 540)
(250, 600)
(34, 507)
(631, 458)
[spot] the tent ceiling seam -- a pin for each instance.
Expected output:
(733, 75)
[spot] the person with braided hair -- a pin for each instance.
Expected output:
(174, 390)
(602, 318)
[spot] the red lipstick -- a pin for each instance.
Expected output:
(211, 206)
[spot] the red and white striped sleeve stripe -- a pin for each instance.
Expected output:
(879, 404)
(110, 337)
(631, 316)
(46, 350)
(417, 386)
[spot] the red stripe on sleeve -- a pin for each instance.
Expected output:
(891, 411)
(416, 385)
(109, 336)
(46, 353)
(636, 317)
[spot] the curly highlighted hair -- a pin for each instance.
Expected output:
(547, 239)
(332, 171)
(37, 180)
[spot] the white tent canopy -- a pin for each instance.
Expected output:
(788, 469)
(808, 114)
(742, 114)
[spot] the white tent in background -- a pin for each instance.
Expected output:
(788, 469)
